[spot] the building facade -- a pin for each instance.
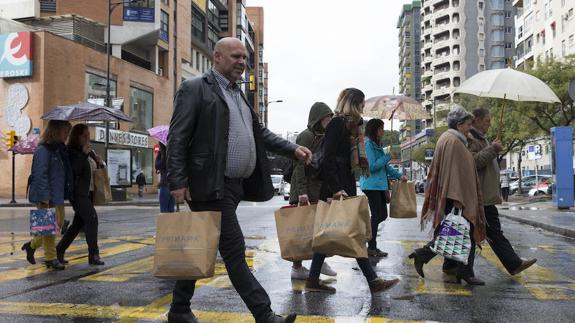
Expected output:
(545, 29)
(155, 45)
(459, 39)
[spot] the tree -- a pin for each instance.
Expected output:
(390, 137)
(419, 153)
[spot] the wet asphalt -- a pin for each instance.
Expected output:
(125, 291)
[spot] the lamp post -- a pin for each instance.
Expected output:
(111, 7)
(266, 112)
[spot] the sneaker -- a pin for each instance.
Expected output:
(326, 270)
(376, 253)
(315, 285)
(380, 285)
(300, 273)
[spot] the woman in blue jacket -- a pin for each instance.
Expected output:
(375, 185)
(50, 184)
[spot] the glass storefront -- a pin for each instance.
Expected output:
(141, 109)
(143, 161)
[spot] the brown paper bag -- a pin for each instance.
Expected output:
(403, 204)
(295, 231)
(102, 191)
(342, 228)
(186, 245)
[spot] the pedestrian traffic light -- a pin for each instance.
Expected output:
(252, 82)
(10, 138)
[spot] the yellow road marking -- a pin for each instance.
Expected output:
(33, 270)
(540, 281)
(130, 313)
(123, 273)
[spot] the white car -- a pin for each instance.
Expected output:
(286, 189)
(277, 183)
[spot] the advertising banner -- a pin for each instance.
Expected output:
(120, 167)
(15, 55)
(138, 14)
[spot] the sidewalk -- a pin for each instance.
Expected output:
(540, 213)
(149, 199)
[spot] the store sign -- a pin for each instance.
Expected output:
(534, 152)
(138, 14)
(122, 138)
(15, 55)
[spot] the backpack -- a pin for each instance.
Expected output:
(313, 170)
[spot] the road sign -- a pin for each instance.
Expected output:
(429, 154)
(534, 152)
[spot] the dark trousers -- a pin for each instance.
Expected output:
(364, 265)
(85, 216)
(167, 202)
(378, 208)
(500, 245)
(505, 193)
(463, 270)
(232, 248)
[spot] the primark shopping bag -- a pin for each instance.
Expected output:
(43, 222)
(295, 231)
(403, 204)
(102, 191)
(342, 227)
(186, 245)
(453, 239)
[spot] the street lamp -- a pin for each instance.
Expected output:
(265, 118)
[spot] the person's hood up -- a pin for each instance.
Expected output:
(318, 111)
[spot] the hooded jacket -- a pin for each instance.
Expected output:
(300, 183)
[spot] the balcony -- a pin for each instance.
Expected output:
(443, 90)
(439, 2)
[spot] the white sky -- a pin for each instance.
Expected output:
(316, 48)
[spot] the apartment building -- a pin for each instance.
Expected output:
(409, 26)
(459, 39)
(545, 30)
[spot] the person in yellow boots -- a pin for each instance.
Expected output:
(50, 185)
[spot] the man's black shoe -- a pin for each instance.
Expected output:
(182, 318)
(274, 318)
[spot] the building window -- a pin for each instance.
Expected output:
(482, 52)
(571, 41)
(197, 61)
(142, 161)
(497, 5)
(213, 14)
(508, 30)
(96, 87)
(508, 14)
(212, 37)
(164, 26)
(141, 109)
(480, 5)
(508, 45)
(140, 3)
(198, 23)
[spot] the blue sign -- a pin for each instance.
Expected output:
(562, 167)
(15, 55)
(139, 14)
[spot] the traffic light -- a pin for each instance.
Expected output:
(10, 138)
(252, 82)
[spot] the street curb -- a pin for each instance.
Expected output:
(562, 231)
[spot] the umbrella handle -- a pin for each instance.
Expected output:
(501, 119)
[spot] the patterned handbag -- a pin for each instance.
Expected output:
(453, 239)
(43, 222)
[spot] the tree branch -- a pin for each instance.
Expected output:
(538, 123)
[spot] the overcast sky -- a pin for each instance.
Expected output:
(316, 48)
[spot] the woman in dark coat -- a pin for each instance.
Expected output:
(339, 180)
(85, 215)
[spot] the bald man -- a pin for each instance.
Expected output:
(216, 158)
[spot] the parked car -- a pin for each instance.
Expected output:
(527, 183)
(286, 188)
(277, 183)
(541, 188)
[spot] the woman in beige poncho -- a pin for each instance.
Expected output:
(453, 182)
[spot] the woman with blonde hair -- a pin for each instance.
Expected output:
(50, 185)
(338, 180)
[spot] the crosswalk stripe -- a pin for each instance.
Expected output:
(34, 270)
(130, 313)
(123, 273)
(541, 282)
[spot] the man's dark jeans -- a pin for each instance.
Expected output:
(232, 248)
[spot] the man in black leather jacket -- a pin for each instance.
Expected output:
(216, 158)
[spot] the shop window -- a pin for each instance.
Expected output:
(143, 161)
(141, 109)
(95, 89)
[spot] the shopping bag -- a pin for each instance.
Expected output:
(453, 239)
(403, 204)
(295, 231)
(102, 191)
(186, 245)
(342, 227)
(43, 222)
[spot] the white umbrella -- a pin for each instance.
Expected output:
(508, 84)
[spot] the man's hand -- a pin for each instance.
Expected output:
(303, 199)
(403, 178)
(181, 195)
(302, 153)
(497, 145)
(339, 194)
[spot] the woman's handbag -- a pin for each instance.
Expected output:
(44, 222)
(342, 227)
(102, 191)
(453, 239)
(187, 245)
(295, 231)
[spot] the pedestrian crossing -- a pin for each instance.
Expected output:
(540, 282)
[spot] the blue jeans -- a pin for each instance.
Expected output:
(167, 202)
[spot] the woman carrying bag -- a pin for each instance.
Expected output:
(85, 215)
(453, 185)
(375, 185)
(50, 185)
(339, 180)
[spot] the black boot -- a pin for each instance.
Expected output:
(95, 260)
(60, 256)
(54, 264)
(418, 262)
(29, 252)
